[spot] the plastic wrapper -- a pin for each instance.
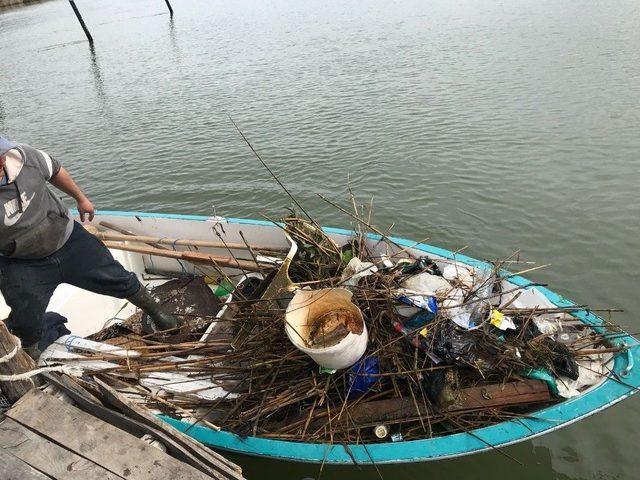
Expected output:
(359, 380)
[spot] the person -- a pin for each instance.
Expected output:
(41, 246)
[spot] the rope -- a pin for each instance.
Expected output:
(68, 369)
(13, 353)
(174, 245)
(68, 343)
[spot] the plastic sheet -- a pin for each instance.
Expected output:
(359, 380)
(355, 270)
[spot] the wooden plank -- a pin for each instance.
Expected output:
(474, 398)
(154, 241)
(98, 441)
(501, 395)
(12, 468)
(193, 257)
(46, 456)
(132, 410)
(92, 405)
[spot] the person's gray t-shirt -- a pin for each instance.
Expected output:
(35, 223)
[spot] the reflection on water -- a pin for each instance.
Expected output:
(97, 75)
(174, 39)
(538, 461)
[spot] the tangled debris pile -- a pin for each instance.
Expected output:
(379, 346)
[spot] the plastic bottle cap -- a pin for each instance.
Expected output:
(381, 431)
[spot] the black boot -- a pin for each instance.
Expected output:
(159, 320)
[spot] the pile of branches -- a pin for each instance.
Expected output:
(436, 378)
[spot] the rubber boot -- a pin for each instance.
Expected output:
(157, 318)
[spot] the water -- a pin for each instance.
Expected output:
(498, 125)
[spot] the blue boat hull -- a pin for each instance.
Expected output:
(623, 382)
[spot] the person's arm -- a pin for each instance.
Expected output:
(63, 181)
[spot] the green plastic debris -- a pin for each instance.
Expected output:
(330, 371)
(544, 375)
(224, 289)
(346, 256)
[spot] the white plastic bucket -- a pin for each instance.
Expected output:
(309, 304)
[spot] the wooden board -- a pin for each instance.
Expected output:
(473, 398)
(46, 456)
(501, 395)
(98, 441)
(12, 468)
(92, 405)
(137, 412)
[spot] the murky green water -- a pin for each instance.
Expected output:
(494, 124)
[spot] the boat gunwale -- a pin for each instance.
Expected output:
(615, 388)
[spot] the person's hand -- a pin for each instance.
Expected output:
(85, 207)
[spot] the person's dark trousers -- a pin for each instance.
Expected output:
(83, 261)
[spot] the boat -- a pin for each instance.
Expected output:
(87, 313)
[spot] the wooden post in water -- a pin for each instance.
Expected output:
(82, 24)
(170, 9)
(14, 363)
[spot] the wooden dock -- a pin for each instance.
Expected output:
(44, 437)
(64, 431)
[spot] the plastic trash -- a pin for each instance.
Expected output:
(591, 370)
(222, 289)
(355, 270)
(422, 264)
(327, 307)
(381, 431)
(454, 345)
(359, 380)
(420, 319)
(417, 339)
(564, 362)
(454, 309)
(501, 321)
(427, 284)
(432, 384)
(544, 375)
(421, 301)
(468, 313)
(455, 272)
(328, 371)
(411, 302)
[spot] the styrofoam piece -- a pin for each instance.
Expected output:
(182, 385)
(73, 342)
